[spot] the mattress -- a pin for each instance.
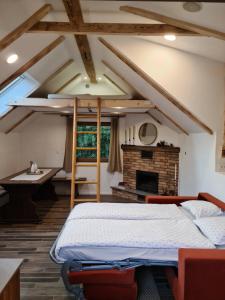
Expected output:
(126, 211)
(109, 239)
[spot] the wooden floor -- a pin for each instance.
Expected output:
(40, 277)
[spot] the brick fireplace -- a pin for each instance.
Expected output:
(153, 170)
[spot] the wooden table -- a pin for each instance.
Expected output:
(10, 279)
(22, 195)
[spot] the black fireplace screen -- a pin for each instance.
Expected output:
(147, 181)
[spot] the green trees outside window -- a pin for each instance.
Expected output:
(90, 140)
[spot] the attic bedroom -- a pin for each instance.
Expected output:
(112, 150)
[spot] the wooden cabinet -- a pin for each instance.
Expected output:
(10, 279)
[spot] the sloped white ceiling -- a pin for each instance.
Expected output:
(139, 49)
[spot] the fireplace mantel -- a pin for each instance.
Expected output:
(149, 148)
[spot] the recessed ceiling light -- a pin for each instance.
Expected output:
(12, 58)
(192, 6)
(85, 78)
(170, 37)
(118, 107)
(99, 78)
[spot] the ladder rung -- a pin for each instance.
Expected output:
(85, 200)
(86, 148)
(87, 116)
(85, 182)
(86, 132)
(86, 165)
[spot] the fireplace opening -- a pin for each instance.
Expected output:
(147, 181)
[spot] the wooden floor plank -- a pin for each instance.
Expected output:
(40, 277)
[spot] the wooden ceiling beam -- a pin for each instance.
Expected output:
(172, 121)
(114, 83)
(67, 83)
(25, 26)
(28, 115)
(82, 103)
(160, 89)
(74, 13)
(109, 28)
(58, 71)
(153, 117)
(174, 22)
(9, 111)
(85, 52)
(111, 68)
(32, 62)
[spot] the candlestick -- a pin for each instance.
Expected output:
(134, 132)
(129, 135)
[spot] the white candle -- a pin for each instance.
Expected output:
(133, 132)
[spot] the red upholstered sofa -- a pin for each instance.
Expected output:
(200, 274)
(106, 284)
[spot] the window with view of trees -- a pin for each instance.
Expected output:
(90, 140)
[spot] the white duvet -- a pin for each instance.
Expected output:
(111, 234)
(125, 211)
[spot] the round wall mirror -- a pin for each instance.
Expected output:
(147, 133)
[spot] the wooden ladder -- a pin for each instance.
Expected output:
(75, 164)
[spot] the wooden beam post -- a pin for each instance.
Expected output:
(67, 83)
(172, 121)
(153, 117)
(25, 26)
(174, 22)
(109, 28)
(85, 52)
(9, 111)
(155, 85)
(83, 103)
(32, 62)
(114, 83)
(58, 71)
(111, 68)
(74, 13)
(28, 115)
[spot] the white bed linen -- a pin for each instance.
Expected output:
(101, 239)
(126, 211)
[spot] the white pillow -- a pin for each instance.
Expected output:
(213, 228)
(201, 209)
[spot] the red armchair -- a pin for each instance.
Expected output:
(179, 199)
(106, 284)
(201, 275)
(201, 272)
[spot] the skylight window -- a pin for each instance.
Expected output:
(22, 86)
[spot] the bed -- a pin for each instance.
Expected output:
(110, 236)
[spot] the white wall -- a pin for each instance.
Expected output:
(197, 168)
(10, 154)
(164, 132)
(198, 83)
(43, 141)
